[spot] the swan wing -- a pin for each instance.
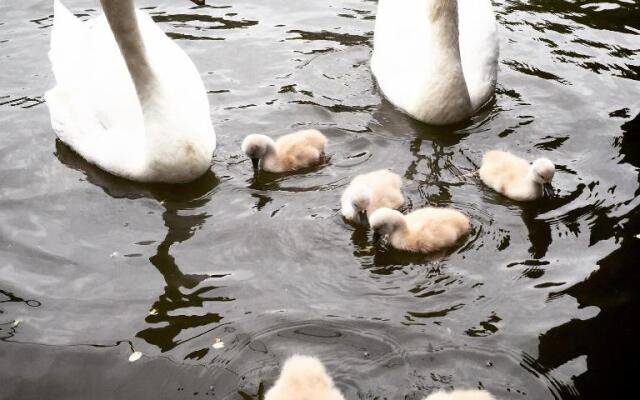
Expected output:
(479, 49)
(94, 107)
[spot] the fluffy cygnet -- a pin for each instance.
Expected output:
(290, 152)
(425, 230)
(303, 378)
(368, 192)
(514, 177)
(461, 395)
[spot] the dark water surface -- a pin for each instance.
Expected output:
(540, 302)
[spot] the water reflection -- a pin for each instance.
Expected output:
(183, 293)
(615, 15)
(559, 25)
(608, 339)
(175, 311)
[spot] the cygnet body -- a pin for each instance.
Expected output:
(461, 395)
(515, 177)
(288, 153)
(424, 231)
(368, 192)
(303, 378)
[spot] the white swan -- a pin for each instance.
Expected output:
(303, 378)
(134, 106)
(436, 60)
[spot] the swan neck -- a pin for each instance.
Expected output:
(121, 15)
(444, 26)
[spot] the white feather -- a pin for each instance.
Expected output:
(96, 111)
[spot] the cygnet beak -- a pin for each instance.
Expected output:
(547, 190)
(255, 162)
(362, 217)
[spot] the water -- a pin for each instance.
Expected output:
(540, 302)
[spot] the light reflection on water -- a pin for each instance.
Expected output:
(528, 306)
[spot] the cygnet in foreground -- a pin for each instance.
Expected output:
(461, 395)
(515, 177)
(425, 230)
(289, 153)
(368, 192)
(303, 378)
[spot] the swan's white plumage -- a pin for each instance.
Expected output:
(375, 189)
(461, 395)
(423, 80)
(95, 109)
(303, 378)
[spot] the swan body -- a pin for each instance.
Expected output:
(368, 192)
(515, 177)
(127, 98)
(303, 378)
(422, 231)
(289, 153)
(461, 395)
(436, 60)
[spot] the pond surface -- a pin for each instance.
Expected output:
(540, 301)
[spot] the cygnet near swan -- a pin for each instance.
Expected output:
(461, 395)
(303, 378)
(289, 153)
(422, 231)
(436, 60)
(368, 192)
(127, 98)
(514, 177)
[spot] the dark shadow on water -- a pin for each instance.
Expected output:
(182, 291)
(608, 340)
(191, 195)
(395, 121)
(540, 229)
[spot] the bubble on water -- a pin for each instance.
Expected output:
(16, 323)
(135, 356)
(114, 254)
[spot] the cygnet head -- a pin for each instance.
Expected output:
(256, 147)
(360, 200)
(543, 171)
(303, 377)
(384, 222)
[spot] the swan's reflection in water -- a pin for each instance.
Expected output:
(172, 313)
(182, 291)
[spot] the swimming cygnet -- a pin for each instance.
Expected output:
(514, 177)
(368, 192)
(290, 152)
(303, 377)
(425, 230)
(461, 395)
